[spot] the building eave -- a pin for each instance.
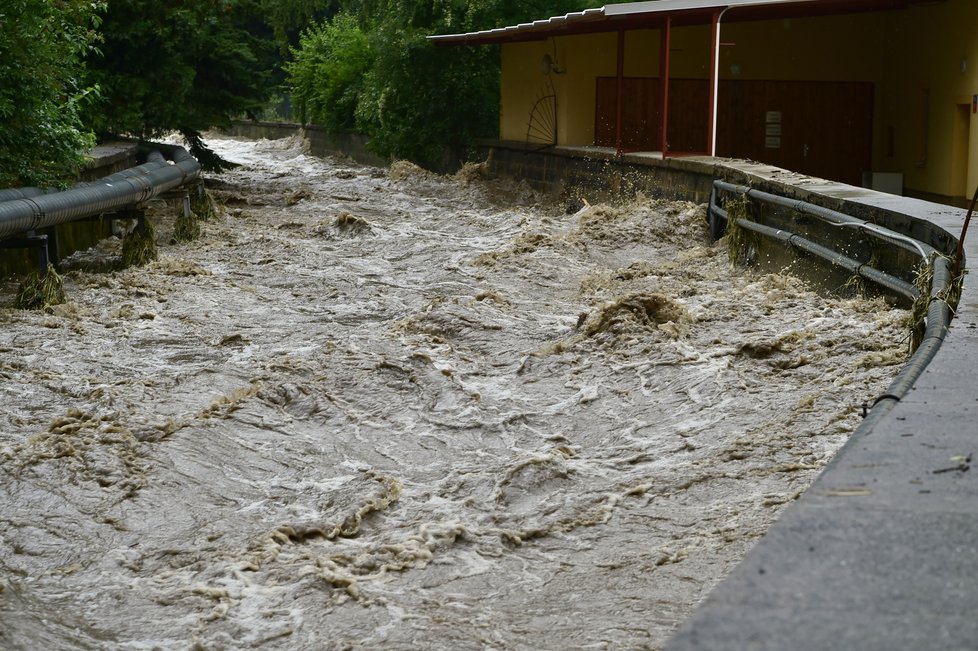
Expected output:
(651, 14)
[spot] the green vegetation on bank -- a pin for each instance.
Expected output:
(74, 70)
(180, 66)
(43, 88)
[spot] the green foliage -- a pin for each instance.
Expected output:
(139, 245)
(42, 45)
(414, 100)
(289, 18)
(181, 66)
(429, 104)
(202, 204)
(742, 244)
(189, 65)
(327, 71)
(186, 227)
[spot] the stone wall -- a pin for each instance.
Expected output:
(598, 174)
(318, 141)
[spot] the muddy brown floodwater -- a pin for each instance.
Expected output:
(381, 409)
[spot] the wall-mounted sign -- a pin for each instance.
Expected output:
(772, 130)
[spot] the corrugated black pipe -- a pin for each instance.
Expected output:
(109, 194)
(19, 193)
(154, 160)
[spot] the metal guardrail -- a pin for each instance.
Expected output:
(939, 311)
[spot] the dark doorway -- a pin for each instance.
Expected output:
(640, 114)
(823, 129)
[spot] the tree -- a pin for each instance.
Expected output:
(42, 47)
(425, 103)
(181, 65)
(415, 101)
(327, 72)
(289, 18)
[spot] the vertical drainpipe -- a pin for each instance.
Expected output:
(620, 90)
(664, 84)
(714, 81)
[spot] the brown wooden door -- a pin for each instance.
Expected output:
(823, 129)
(640, 110)
(819, 128)
(640, 114)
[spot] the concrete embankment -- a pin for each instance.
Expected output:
(880, 553)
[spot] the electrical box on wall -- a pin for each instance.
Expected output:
(889, 182)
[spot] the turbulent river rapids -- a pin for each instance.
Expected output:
(383, 409)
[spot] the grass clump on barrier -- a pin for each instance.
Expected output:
(742, 244)
(202, 204)
(139, 245)
(917, 319)
(856, 285)
(950, 295)
(186, 227)
(40, 290)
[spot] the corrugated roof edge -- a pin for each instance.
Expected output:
(618, 10)
(521, 28)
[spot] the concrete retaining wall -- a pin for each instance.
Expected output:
(599, 171)
(318, 141)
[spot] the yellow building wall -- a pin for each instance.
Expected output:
(923, 63)
(827, 48)
(582, 59)
(585, 58)
(932, 69)
(520, 82)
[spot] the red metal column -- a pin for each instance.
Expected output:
(711, 143)
(620, 89)
(666, 32)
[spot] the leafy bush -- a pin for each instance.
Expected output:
(327, 72)
(428, 104)
(412, 99)
(42, 46)
(181, 66)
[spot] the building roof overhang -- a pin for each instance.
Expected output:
(653, 14)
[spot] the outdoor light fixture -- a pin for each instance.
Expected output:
(549, 64)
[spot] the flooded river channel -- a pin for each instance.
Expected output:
(382, 409)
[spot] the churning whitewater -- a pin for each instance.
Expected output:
(383, 409)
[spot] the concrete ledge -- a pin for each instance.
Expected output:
(598, 170)
(109, 158)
